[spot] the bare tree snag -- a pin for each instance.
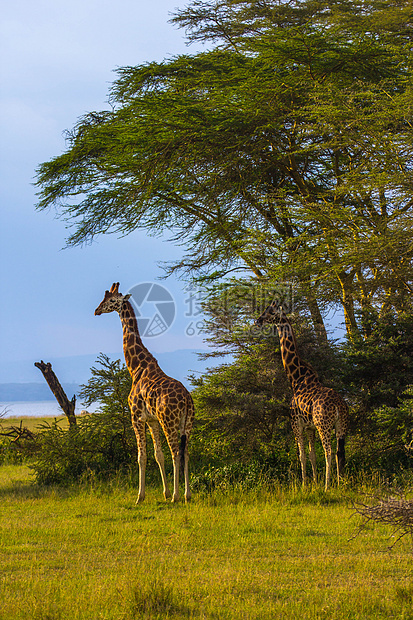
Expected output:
(15, 433)
(395, 510)
(68, 406)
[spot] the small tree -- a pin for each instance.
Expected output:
(379, 367)
(110, 385)
(102, 442)
(243, 407)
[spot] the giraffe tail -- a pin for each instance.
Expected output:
(182, 447)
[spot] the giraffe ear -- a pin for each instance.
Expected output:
(127, 296)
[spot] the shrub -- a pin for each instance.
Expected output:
(102, 443)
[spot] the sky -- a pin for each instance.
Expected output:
(57, 63)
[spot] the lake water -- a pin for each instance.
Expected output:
(38, 409)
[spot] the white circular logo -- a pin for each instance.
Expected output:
(154, 308)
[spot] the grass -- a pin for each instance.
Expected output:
(89, 553)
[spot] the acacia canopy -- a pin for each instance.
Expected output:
(285, 149)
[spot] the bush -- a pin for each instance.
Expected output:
(379, 365)
(17, 443)
(257, 473)
(99, 444)
(381, 439)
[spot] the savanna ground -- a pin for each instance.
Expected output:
(88, 552)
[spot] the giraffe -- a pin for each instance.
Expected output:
(155, 399)
(314, 407)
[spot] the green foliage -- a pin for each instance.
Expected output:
(17, 441)
(379, 367)
(286, 150)
(243, 428)
(102, 443)
(8, 452)
(382, 439)
(242, 407)
(109, 385)
(376, 371)
(258, 473)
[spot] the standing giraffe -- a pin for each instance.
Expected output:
(314, 407)
(155, 399)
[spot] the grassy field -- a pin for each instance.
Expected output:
(32, 422)
(89, 553)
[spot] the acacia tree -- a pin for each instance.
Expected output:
(243, 408)
(286, 150)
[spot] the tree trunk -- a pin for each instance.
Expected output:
(68, 406)
(317, 318)
(346, 282)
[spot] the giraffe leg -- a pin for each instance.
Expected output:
(188, 493)
(185, 431)
(184, 464)
(311, 449)
(340, 457)
(326, 441)
(299, 437)
(139, 428)
(303, 460)
(171, 435)
(341, 438)
(155, 431)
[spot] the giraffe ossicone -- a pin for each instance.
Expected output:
(155, 399)
(314, 407)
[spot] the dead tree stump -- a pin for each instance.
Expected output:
(68, 406)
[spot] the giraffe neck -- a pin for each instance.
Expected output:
(137, 356)
(297, 369)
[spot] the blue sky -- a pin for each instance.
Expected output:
(58, 62)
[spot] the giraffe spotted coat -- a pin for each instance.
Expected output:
(314, 407)
(155, 400)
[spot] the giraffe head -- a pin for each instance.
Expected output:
(113, 300)
(272, 314)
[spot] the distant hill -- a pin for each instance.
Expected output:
(32, 392)
(21, 381)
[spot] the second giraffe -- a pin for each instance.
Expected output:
(314, 407)
(155, 399)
